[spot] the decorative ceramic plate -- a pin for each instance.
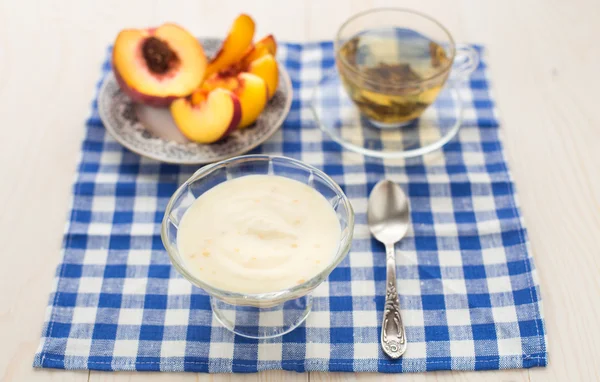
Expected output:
(151, 132)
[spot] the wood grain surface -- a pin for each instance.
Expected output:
(543, 59)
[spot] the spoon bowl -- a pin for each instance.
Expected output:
(388, 213)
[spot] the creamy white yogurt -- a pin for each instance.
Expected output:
(257, 234)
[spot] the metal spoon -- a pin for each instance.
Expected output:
(388, 216)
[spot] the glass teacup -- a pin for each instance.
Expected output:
(394, 62)
(263, 315)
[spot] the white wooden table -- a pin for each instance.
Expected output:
(544, 60)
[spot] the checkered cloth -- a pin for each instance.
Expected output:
(468, 288)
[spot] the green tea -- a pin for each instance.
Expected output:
(393, 79)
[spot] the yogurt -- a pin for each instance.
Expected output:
(258, 234)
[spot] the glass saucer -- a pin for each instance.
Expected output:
(341, 120)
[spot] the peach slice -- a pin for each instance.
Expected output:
(235, 45)
(264, 46)
(269, 42)
(157, 65)
(266, 68)
(250, 89)
(207, 116)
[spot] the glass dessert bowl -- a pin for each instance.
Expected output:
(272, 313)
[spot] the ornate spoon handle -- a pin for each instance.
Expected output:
(393, 335)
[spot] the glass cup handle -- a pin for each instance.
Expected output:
(466, 61)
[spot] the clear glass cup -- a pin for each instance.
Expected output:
(393, 63)
(414, 109)
(264, 315)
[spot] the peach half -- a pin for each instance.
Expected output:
(207, 116)
(234, 46)
(250, 89)
(157, 65)
(266, 68)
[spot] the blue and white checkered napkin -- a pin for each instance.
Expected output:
(468, 288)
